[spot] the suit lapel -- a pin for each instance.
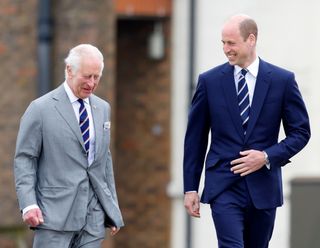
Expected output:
(229, 88)
(97, 117)
(65, 109)
(260, 92)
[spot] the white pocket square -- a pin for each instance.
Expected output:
(106, 125)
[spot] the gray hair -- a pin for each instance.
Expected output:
(79, 52)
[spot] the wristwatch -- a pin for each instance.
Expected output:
(266, 158)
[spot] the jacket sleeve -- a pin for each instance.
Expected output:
(28, 148)
(196, 138)
(296, 125)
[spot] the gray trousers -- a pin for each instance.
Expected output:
(90, 236)
(53, 239)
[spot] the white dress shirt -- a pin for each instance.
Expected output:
(251, 77)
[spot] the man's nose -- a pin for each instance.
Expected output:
(91, 81)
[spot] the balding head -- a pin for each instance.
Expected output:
(245, 24)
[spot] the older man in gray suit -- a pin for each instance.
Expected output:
(63, 167)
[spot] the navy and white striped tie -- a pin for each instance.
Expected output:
(243, 99)
(84, 125)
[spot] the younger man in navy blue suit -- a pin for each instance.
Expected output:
(242, 103)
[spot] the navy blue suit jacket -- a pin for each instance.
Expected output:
(215, 108)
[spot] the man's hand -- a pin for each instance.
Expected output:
(114, 230)
(33, 217)
(250, 161)
(192, 204)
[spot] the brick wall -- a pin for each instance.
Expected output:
(18, 83)
(137, 88)
(83, 21)
(142, 137)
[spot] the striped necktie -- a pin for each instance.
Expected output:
(84, 124)
(243, 99)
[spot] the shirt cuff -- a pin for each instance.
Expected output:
(26, 209)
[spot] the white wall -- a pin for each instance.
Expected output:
(289, 36)
(179, 105)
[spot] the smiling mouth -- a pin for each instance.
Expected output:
(231, 57)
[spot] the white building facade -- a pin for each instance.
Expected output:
(289, 35)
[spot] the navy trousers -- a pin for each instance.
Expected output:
(238, 223)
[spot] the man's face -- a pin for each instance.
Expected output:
(85, 80)
(238, 51)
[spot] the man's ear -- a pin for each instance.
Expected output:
(253, 39)
(69, 71)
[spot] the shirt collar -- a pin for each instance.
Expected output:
(70, 94)
(253, 68)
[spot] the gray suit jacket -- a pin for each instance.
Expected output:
(51, 167)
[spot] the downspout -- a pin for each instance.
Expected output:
(191, 89)
(44, 46)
